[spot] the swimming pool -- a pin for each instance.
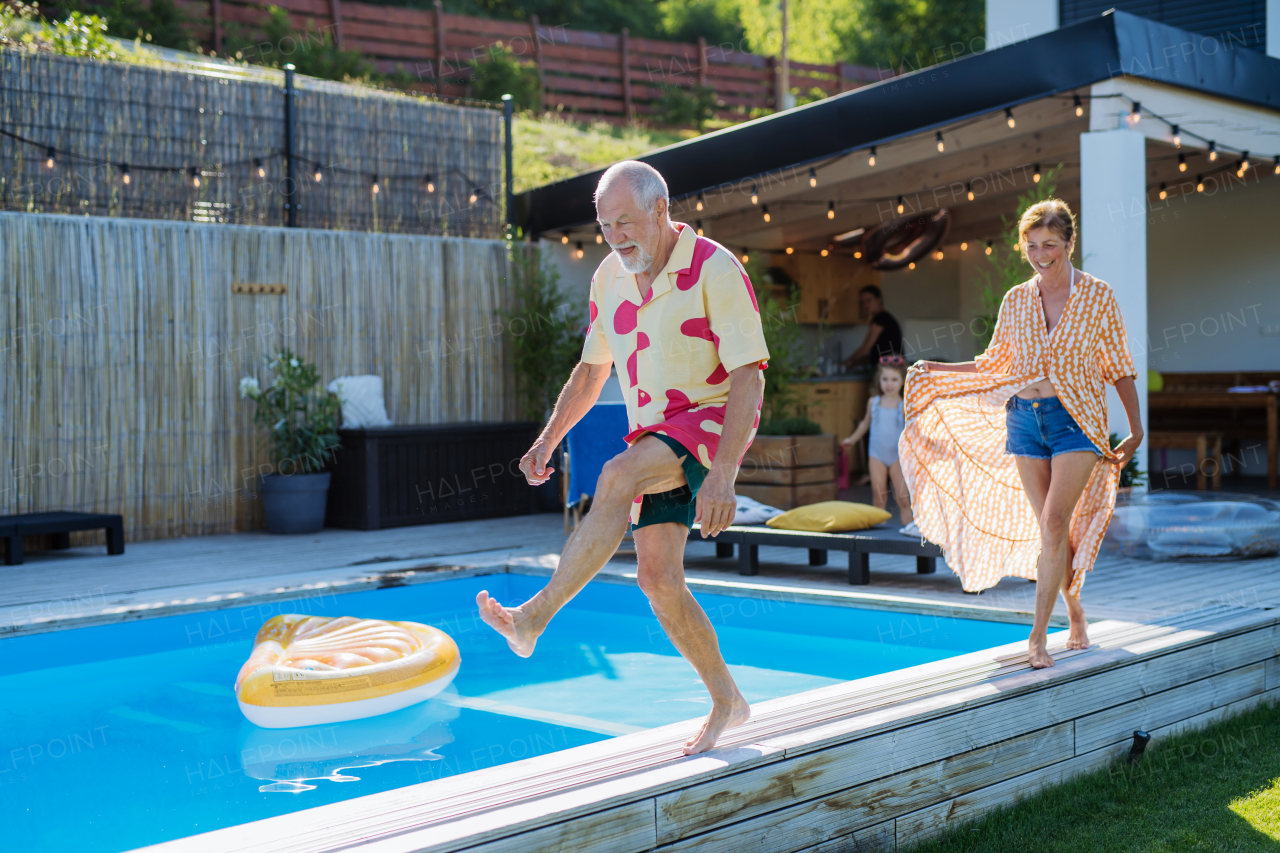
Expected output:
(120, 736)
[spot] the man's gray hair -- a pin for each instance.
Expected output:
(647, 184)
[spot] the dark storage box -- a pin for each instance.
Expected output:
(402, 475)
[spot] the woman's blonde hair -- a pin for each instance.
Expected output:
(1052, 213)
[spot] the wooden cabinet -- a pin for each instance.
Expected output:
(837, 405)
(828, 286)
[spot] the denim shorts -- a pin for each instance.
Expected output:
(1042, 428)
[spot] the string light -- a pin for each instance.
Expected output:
(475, 195)
(699, 228)
(599, 235)
(48, 163)
(1079, 107)
(871, 160)
(1035, 175)
(1213, 151)
(1244, 162)
(1163, 194)
(745, 257)
(790, 250)
(831, 210)
(195, 177)
(940, 145)
(824, 253)
(262, 170)
(1182, 162)
(1199, 183)
(700, 200)
(937, 255)
(766, 213)
(964, 247)
(755, 199)
(125, 178)
(911, 265)
(1277, 171)
(857, 254)
(813, 178)
(1177, 137)
(969, 187)
(431, 185)
(377, 189)
(1008, 116)
(900, 204)
(564, 239)
(579, 250)
(1134, 115)
(988, 247)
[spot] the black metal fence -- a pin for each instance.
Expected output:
(207, 143)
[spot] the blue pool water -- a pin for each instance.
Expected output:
(124, 735)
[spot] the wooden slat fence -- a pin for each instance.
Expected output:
(123, 346)
(226, 124)
(581, 72)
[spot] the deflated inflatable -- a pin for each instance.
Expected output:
(311, 670)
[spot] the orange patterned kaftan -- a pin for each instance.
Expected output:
(965, 490)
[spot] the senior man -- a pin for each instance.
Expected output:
(678, 310)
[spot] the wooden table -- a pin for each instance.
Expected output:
(1215, 401)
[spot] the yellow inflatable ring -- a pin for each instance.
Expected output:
(312, 670)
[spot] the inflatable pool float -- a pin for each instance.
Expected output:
(1180, 525)
(312, 670)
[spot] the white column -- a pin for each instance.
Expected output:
(1113, 246)
(1273, 28)
(1014, 20)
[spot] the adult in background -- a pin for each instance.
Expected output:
(678, 310)
(884, 334)
(1033, 404)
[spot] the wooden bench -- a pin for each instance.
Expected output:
(61, 525)
(859, 545)
(1205, 444)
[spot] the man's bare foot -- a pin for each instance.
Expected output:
(1038, 655)
(510, 622)
(721, 717)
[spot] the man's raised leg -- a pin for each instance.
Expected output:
(660, 553)
(647, 466)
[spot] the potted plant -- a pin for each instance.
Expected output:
(302, 419)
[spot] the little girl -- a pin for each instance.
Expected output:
(885, 418)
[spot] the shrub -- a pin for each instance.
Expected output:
(301, 416)
(546, 333)
(686, 107)
(500, 73)
(312, 53)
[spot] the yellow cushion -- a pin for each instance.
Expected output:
(1155, 382)
(829, 517)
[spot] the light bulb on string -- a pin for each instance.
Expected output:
(125, 177)
(857, 254)
(599, 236)
(1244, 162)
(319, 176)
(1134, 115)
(564, 239)
(831, 210)
(871, 159)
(1199, 183)
(475, 195)
(262, 170)
(937, 256)
(900, 204)
(745, 256)
(1079, 107)
(1035, 174)
(790, 250)
(1008, 117)
(964, 247)
(755, 198)
(813, 178)
(1182, 162)
(988, 247)
(698, 228)
(1163, 193)
(1277, 167)
(969, 187)
(700, 202)
(578, 252)
(49, 161)
(940, 143)
(1177, 137)
(911, 265)
(195, 177)
(824, 253)
(1213, 151)
(766, 213)
(429, 183)
(375, 186)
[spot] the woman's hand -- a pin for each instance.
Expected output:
(1125, 449)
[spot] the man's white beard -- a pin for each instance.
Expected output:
(638, 262)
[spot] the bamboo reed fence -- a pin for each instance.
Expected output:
(611, 76)
(226, 128)
(123, 346)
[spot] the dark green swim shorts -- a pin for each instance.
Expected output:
(677, 506)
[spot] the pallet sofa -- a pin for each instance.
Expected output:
(858, 544)
(61, 525)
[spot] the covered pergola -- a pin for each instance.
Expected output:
(1145, 119)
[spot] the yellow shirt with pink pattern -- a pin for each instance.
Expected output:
(676, 346)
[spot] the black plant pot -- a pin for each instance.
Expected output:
(294, 503)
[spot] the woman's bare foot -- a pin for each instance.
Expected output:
(721, 717)
(1038, 655)
(511, 622)
(1079, 636)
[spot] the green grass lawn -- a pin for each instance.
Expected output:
(1213, 789)
(549, 149)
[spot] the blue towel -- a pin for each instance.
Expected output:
(593, 441)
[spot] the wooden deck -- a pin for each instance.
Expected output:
(872, 764)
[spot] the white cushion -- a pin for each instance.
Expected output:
(753, 512)
(362, 403)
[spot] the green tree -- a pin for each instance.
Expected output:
(717, 21)
(312, 53)
(1006, 267)
(545, 330)
(909, 35)
(501, 73)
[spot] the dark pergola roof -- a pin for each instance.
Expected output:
(1114, 44)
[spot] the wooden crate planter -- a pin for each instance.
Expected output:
(788, 471)
(404, 475)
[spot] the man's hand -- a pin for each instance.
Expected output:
(534, 463)
(1127, 448)
(716, 502)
